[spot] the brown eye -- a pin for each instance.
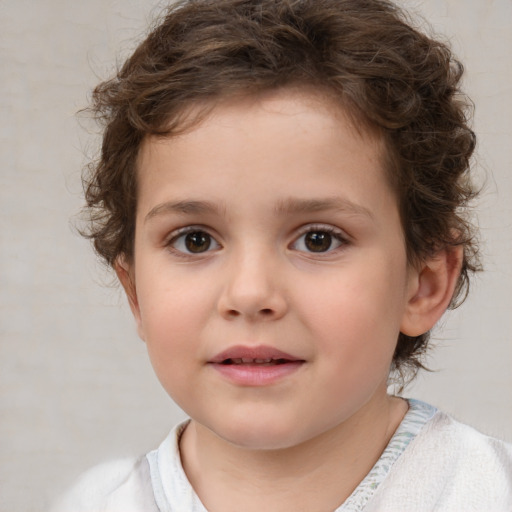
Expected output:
(318, 241)
(192, 241)
(198, 241)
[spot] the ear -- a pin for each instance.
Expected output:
(126, 277)
(431, 290)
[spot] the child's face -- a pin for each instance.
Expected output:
(269, 232)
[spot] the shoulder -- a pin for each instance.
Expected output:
(450, 467)
(115, 486)
(466, 448)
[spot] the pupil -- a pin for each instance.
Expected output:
(197, 242)
(318, 241)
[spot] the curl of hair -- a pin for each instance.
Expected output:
(364, 53)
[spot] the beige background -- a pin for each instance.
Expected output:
(76, 385)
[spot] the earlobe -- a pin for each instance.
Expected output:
(127, 280)
(431, 291)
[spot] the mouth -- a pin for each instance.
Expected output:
(259, 362)
(255, 366)
(261, 355)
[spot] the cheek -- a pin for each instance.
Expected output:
(358, 312)
(172, 319)
(169, 301)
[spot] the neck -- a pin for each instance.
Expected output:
(317, 475)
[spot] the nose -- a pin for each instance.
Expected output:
(253, 289)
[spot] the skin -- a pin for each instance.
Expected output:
(256, 177)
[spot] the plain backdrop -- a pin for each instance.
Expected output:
(76, 384)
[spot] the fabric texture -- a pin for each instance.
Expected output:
(432, 463)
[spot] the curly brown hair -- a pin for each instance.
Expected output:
(366, 53)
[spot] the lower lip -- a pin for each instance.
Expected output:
(256, 375)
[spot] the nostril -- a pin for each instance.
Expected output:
(266, 311)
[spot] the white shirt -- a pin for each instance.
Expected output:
(432, 463)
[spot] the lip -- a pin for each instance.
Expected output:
(259, 352)
(255, 366)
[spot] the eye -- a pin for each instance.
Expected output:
(193, 241)
(319, 240)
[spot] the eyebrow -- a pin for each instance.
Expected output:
(295, 205)
(184, 207)
(286, 206)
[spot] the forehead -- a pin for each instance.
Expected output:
(290, 100)
(297, 134)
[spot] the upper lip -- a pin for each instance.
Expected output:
(261, 352)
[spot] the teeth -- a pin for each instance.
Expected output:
(250, 360)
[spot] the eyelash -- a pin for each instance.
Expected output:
(182, 233)
(335, 234)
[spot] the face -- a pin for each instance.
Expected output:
(269, 277)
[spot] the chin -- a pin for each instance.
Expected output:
(259, 435)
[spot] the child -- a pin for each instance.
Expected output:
(282, 192)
